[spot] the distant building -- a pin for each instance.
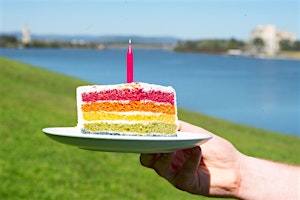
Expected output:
(271, 38)
(26, 35)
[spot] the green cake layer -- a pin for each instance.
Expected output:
(141, 128)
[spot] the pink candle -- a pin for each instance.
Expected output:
(129, 58)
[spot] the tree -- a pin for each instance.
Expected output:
(235, 44)
(258, 44)
(297, 46)
(286, 45)
(8, 40)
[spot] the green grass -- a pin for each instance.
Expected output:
(34, 167)
(290, 54)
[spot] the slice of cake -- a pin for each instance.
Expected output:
(127, 109)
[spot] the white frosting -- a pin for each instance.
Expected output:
(79, 111)
(118, 122)
(146, 87)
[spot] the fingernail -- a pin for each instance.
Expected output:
(165, 154)
(195, 150)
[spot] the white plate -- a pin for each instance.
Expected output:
(127, 144)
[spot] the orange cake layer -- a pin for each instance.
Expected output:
(129, 106)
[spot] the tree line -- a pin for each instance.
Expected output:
(11, 41)
(222, 46)
(210, 45)
(201, 46)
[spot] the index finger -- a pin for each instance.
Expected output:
(186, 127)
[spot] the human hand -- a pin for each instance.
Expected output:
(212, 170)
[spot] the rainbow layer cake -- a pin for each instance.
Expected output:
(127, 109)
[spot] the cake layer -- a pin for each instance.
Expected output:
(94, 116)
(127, 109)
(129, 106)
(139, 128)
(135, 94)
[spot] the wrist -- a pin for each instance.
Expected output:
(240, 175)
(255, 181)
(231, 180)
(263, 179)
(245, 177)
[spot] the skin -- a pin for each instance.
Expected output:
(218, 169)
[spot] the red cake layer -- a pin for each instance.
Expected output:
(129, 94)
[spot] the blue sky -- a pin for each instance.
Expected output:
(190, 19)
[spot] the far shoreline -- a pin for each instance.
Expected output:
(283, 55)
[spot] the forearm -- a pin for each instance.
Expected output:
(262, 179)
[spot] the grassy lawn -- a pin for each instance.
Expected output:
(34, 167)
(290, 54)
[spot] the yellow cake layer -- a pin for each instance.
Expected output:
(138, 128)
(94, 116)
(112, 106)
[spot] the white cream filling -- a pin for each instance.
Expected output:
(119, 122)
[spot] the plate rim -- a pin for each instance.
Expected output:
(202, 136)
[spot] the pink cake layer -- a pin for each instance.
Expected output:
(129, 94)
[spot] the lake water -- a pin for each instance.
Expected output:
(263, 93)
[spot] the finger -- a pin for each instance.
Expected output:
(187, 172)
(186, 127)
(193, 161)
(162, 166)
(148, 160)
